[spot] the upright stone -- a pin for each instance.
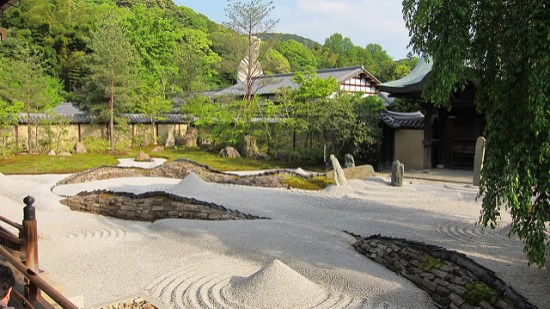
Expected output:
(229, 152)
(349, 161)
(79, 148)
(190, 138)
(478, 159)
(250, 148)
(142, 157)
(170, 140)
(397, 173)
(339, 175)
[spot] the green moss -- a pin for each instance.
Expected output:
(429, 262)
(315, 183)
(479, 291)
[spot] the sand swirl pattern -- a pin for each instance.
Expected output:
(191, 287)
(467, 232)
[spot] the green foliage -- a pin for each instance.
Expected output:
(315, 183)
(55, 129)
(8, 117)
(429, 262)
(113, 82)
(274, 62)
(406, 105)
(479, 291)
(505, 48)
(96, 145)
(23, 80)
(299, 57)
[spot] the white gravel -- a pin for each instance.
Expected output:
(130, 162)
(192, 264)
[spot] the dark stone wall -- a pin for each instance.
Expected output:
(446, 282)
(150, 206)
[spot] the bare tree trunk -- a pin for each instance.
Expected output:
(111, 116)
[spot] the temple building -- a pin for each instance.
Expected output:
(433, 137)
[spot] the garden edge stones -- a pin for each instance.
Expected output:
(445, 285)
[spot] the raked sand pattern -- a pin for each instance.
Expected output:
(231, 264)
(274, 286)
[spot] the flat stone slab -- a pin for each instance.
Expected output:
(361, 172)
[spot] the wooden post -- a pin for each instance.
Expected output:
(427, 142)
(30, 234)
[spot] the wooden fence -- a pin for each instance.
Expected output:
(21, 252)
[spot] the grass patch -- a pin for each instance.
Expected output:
(315, 183)
(45, 164)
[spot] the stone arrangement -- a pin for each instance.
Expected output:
(150, 206)
(180, 169)
(170, 140)
(349, 161)
(397, 173)
(79, 148)
(339, 176)
(447, 276)
(478, 160)
(142, 157)
(229, 152)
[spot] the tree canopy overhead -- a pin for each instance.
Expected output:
(504, 47)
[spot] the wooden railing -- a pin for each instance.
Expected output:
(22, 253)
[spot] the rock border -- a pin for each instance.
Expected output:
(151, 206)
(445, 284)
(180, 169)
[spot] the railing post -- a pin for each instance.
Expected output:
(30, 234)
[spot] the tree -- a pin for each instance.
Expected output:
(505, 47)
(8, 117)
(112, 80)
(344, 48)
(252, 20)
(194, 60)
(275, 63)
(300, 58)
(155, 40)
(24, 81)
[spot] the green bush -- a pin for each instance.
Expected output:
(96, 144)
(429, 262)
(479, 291)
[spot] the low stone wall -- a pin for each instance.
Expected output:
(180, 169)
(150, 206)
(447, 276)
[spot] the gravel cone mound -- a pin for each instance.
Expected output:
(275, 286)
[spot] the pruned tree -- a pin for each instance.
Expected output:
(253, 20)
(112, 82)
(504, 47)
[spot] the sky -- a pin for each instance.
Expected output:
(363, 21)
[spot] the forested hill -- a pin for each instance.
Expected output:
(176, 49)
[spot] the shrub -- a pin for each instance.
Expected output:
(96, 144)
(479, 291)
(429, 262)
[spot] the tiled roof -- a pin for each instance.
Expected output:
(398, 120)
(413, 82)
(76, 116)
(270, 84)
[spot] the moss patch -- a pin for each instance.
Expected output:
(315, 183)
(429, 262)
(478, 292)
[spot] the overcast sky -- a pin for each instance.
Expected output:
(363, 21)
